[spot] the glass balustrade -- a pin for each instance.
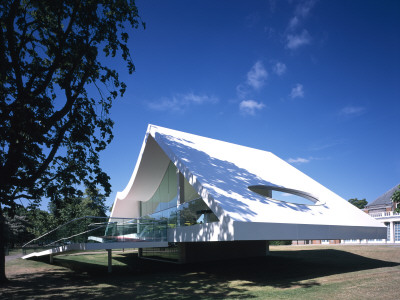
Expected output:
(100, 230)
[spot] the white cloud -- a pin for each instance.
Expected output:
(297, 91)
(303, 8)
(293, 23)
(279, 68)
(300, 14)
(299, 160)
(294, 41)
(243, 90)
(352, 111)
(198, 99)
(325, 144)
(250, 107)
(257, 76)
(180, 102)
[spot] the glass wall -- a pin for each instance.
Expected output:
(165, 196)
(195, 212)
(163, 204)
(189, 192)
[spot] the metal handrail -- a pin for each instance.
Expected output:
(72, 236)
(73, 220)
(98, 225)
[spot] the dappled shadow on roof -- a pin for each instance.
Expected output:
(223, 179)
(144, 279)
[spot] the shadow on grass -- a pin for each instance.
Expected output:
(145, 279)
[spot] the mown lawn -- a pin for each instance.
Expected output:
(290, 272)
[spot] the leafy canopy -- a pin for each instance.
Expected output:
(90, 204)
(51, 128)
(360, 203)
(396, 199)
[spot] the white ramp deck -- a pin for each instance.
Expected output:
(95, 246)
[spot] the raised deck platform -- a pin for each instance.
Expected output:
(95, 246)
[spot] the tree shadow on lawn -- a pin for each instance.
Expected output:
(146, 279)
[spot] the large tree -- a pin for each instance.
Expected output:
(360, 203)
(52, 128)
(90, 204)
(396, 199)
(18, 230)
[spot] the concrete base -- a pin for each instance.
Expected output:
(209, 251)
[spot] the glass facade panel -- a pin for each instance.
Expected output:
(189, 192)
(165, 196)
(195, 212)
(163, 204)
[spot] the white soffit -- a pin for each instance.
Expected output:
(149, 171)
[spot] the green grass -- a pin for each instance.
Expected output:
(14, 251)
(290, 272)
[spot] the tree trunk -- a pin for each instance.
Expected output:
(3, 278)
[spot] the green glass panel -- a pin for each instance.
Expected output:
(166, 194)
(189, 192)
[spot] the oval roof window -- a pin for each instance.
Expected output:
(284, 194)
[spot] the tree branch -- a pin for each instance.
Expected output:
(12, 45)
(49, 76)
(3, 57)
(58, 115)
(26, 196)
(53, 151)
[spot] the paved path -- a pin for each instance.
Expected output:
(14, 256)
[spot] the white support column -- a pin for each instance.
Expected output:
(109, 260)
(391, 232)
(51, 259)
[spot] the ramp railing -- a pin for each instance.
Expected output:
(91, 229)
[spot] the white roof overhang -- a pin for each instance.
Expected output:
(222, 173)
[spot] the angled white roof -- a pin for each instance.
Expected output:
(222, 172)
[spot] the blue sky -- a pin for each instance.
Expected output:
(315, 82)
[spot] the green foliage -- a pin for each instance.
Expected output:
(18, 230)
(41, 221)
(90, 204)
(396, 199)
(29, 223)
(276, 243)
(360, 203)
(52, 129)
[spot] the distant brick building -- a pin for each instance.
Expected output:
(382, 209)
